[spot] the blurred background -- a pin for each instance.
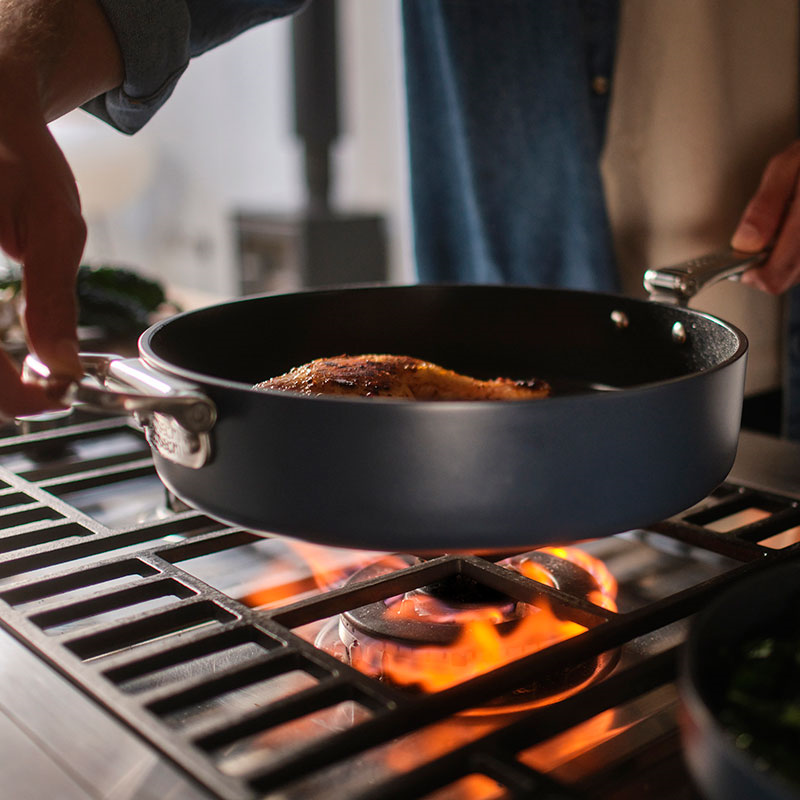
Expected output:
(212, 195)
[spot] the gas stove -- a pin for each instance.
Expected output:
(147, 650)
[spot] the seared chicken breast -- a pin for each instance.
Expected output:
(397, 376)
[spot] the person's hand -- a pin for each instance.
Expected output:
(42, 228)
(54, 56)
(772, 217)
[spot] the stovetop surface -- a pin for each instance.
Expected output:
(134, 625)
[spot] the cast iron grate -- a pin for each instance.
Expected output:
(110, 605)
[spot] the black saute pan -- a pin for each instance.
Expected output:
(738, 686)
(643, 421)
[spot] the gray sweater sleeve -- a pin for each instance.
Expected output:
(157, 39)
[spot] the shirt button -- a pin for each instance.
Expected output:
(600, 84)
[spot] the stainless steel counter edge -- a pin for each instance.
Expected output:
(767, 463)
(57, 743)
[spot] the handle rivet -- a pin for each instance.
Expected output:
(679, 335)
(620, 319)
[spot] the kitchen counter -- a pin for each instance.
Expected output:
(47, 727)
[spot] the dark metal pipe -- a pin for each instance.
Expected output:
(316, 100)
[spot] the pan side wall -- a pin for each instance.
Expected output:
(436, 478)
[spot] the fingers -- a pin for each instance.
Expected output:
(773, 216)
(53, 237)
(50, 309)
(18, 399)
(40, 226)
(781, 271)
(765, 211)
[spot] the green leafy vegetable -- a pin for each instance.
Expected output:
(116, 299)
(761, 699)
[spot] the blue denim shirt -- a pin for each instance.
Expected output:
(505, 136)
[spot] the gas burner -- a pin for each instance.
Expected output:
(570, 570)
(435, 614)
(442, 634)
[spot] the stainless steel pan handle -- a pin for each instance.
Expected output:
(678, 283)
(176, 418)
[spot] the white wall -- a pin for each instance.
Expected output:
(162, 199)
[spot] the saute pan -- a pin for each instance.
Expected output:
(643, 420)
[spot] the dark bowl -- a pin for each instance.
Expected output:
(722, 766)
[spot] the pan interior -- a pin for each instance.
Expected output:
(575, 340)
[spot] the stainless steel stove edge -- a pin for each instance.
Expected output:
(768, 464)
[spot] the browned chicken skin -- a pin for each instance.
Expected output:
(397, 376)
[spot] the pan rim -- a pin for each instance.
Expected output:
(158, 362)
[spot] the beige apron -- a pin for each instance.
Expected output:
(704, 93)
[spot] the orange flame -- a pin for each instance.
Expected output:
(479, 648)
(483, 644)
(306, 569)
(429, 609)
(551, 754)
(605, 597)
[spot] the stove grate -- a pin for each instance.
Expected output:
(113, 609)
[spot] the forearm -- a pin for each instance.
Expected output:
(158, 38)
(55, 55)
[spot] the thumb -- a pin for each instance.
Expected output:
(765, 212)
(749, 237)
